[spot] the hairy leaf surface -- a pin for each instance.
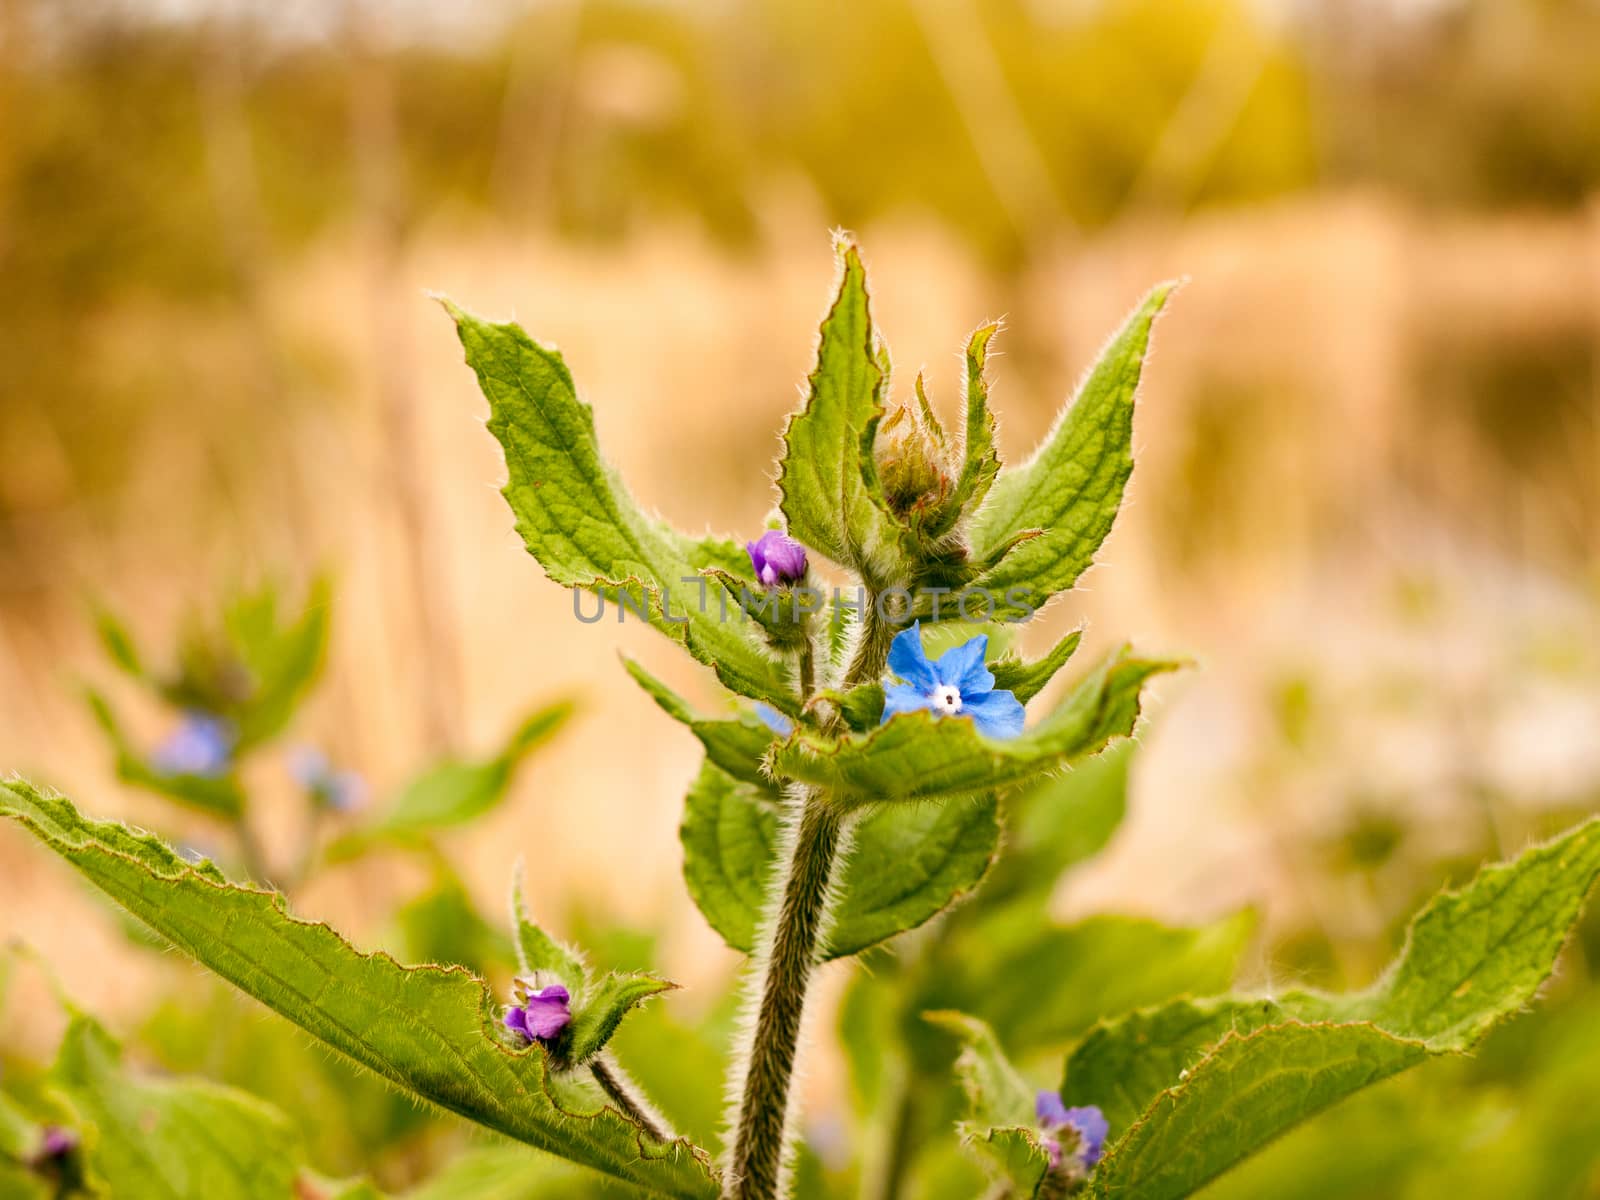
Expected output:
(431, 1031)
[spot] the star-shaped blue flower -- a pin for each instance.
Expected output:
(956, 685)
(1088, 1124)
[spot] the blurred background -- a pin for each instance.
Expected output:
(1367, 501)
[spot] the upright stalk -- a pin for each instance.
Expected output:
(797, 928)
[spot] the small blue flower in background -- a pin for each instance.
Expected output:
(774, 720)
(543, 1013)
(777, 558)
(201, 745)
(956, 685)
(341, 791)
(1088, 1123)
(55, 1143)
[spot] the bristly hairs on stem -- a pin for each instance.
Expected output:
(813, 843)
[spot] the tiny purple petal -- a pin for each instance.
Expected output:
(547, 1012)
(57, 1142)
(777, 558)
(517, 1021)
(1053, 1149)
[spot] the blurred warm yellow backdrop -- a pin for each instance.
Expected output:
(1366, 502)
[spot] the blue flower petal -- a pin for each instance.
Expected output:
(908, 660)
(774, 720)
(996, 714)
(1092, 1128)
(962, 667)
(902, 697)
(1047, 1106)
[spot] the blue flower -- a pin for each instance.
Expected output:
(202, 745)
(1088, 1124)
(774, 720)
(543, 1013)
(957, 685)
(341, 791)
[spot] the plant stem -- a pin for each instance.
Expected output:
(757, 1168)
(619, 1087)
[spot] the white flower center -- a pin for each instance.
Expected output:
(946, 699)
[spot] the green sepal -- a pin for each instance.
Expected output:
(1024, 679)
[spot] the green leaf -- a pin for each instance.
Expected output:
(736, 745)
(1014, 1154)
(981, 460)
(430, 1031)
(456, 791)
(598, 1009)
(538, 952)
(1040, 986)
(172, 1139)
(1000, 1104)
(1025, 680)
(215, 795)
(578, 520)
(996, 1092)
(281, 663)
(1072, 486)
(504, 1173)
(921, 756)
(907, 865)
(119, 643)
(1237, 1073)
(822, 474)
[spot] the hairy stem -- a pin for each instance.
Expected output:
(616, 1084)
(757, 1168)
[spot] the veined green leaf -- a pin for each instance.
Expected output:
(921, 756)
(1072, 486)
(281, 662)
(430, 1031)
(578, 520)
(172, 1139)
(908, 863)
(736, 745)
(822, 474)
(1217, 1080)
(599, 1006)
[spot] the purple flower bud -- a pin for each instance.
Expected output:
(55, 1144)
(777, 558)
(543, 1013)
(1088, 1124)
(202, 745)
